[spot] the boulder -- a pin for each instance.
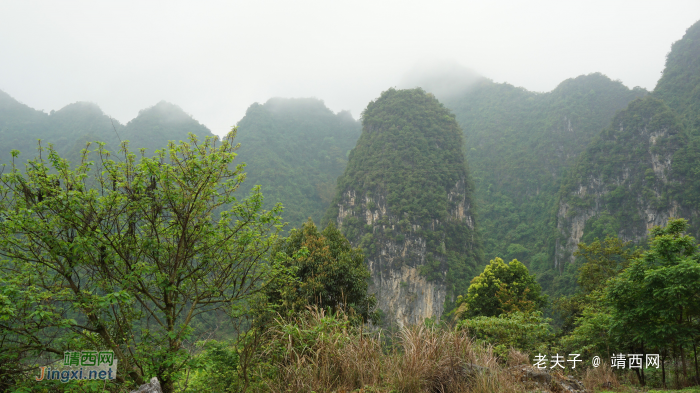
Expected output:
(152, 387)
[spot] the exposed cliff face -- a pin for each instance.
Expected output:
(520, 145)
(405, 198)
(629, 180)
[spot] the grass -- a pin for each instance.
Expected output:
(319, 353)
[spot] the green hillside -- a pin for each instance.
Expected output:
(679, 85)
(644, 168)
(296, 149)
(519, 144)
(406, 196)
(69, 128)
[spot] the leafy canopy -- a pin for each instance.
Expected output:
(501, 288)
(124, 254)
(328, 273)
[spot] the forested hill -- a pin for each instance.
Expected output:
(69, 128)
(295, 149)
(679, 86)
(163, 122)
(519, 144)
(406, 199)
(644, 168)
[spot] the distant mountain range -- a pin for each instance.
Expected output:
(589, 159)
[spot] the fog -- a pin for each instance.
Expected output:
(445, 79)
(214, 59)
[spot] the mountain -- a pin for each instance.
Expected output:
(519, 145)
(679, 86)
(406, 199)
(163, 122)
(644, 168)
(295, 149)
(69, 128)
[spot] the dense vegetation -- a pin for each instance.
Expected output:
(643, 168)
(125, 254)
(679, 85)
(408, 169)
(519, 145)
(296, 149)
(630, 163)
(501, 288)
(155, 257)
(328, 273)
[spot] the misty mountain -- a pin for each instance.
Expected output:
(644, 168)
(406, 199)
(519, 144)
(295, 149)
(69, 128)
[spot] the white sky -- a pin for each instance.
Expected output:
(215, 58)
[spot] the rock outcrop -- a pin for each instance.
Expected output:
(405, 198)
(152, 387)
(630, 179)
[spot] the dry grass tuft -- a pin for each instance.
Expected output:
(600, 378)
(321, 353)
(517, 358)
(433, 360)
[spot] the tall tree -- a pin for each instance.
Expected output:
(124, 254)
(655, 302)
(327, 272)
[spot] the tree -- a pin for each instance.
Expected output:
(529, 332)
(125, 254)
(655, 301)
(501, 288)
(602, 261)
(327, 272)
(599, 262)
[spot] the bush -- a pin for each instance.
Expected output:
(528, 332)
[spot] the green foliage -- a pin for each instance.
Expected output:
(590, 334)
(644, 162)
(501, 288)
(525, 331)
(327, 272)
(124, 254)
(646, 165)
(216, 368)
(655, 302)
(601, 261)
(296, 149)
(408, 167)
(597, 262)
(519, 145)
(679, 85)
(639, 302)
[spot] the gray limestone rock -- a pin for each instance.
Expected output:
(152, 387)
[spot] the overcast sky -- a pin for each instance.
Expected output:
(214, 59)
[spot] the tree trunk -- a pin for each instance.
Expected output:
(695, 355)
(676, 374)
(663, 369)
(685, 369)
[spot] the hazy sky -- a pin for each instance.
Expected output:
(214, 58)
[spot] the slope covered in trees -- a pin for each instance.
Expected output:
(296, 149)
(69, 128)
(644, 168)
(405, 198)
(519, 145)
